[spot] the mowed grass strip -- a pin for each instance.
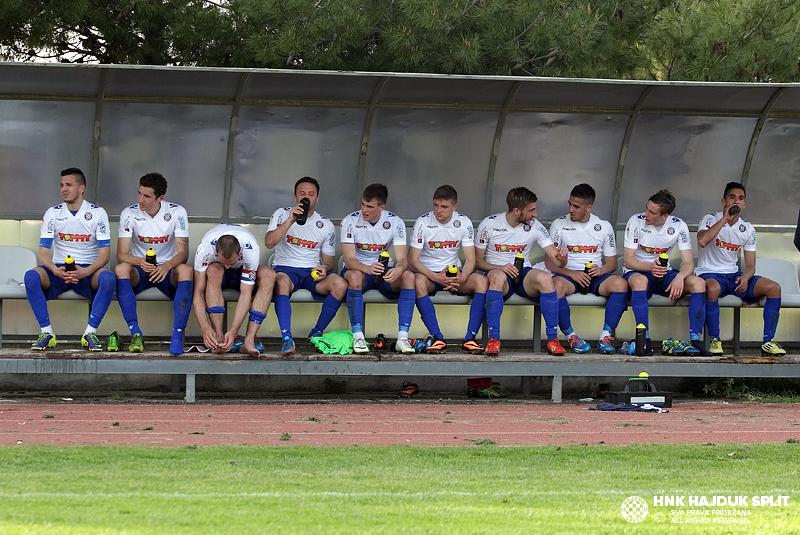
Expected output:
(472, 490)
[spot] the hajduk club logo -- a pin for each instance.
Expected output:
(634, 509)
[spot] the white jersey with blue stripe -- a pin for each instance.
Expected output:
(79, 235)
(369, 239)
(248, 255)
(157, 232)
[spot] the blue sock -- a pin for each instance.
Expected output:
(615, 308)
(405, 309)
(549, 304)
(712, 318)
(283, 309)
(181, 306)
(33, 289)
(641, 310)
(106, 281)
(355, 309)
(494, 309)
(477, 310)
(330, 306)
(427, 313)
(697, 315)
(772, 313)
(564, 321)
(127, 303)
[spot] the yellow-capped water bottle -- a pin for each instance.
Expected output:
(69, 263)
(519, 263)
(585, 289)
(663, 260)
(150, 257)
(383, 258)
(452, 271)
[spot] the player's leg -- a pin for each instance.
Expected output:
(615, 288)
(477, 285)
(215, 303)
(284, 286)
(127, 278)
(102, 284)
(355, 304)
(770, 289)
(640, 286)
(405, 310)
(334, 288)
(565, 287)
(714, 291)
(181, 279)
(37, 284)
(427, 313)
(265, 282)
(540, 283)
(498, 288)
(696, 288)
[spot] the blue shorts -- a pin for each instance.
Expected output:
(594, 286)
(369, 284)
(727, 284)
(301, 278)
(58, 286)
(519, 289)
(165, 286)
(652, 286)
(232, 279)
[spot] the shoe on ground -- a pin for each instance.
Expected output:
(671, 347)
(701, 348)
(404, 346)
(315, 333)
(772, 348)
(137, 344)
(45, 341)
(578, 345)
(629, 348)
(380, 343)
(360, 346)
(258, 344)
(606, 346)
(715, 347)
(287, 346)
(91, 342)
(237, 343)
(493, 347)
(176, 344)
(114, 341)
(471, 347)
(437, 347)
(554, 347)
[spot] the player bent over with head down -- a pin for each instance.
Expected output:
(365, 236)
(591, 246)
(300, 235)
(77, 233)
(228, 257)
(503, 236)
(160, 226)
(436, 239)
(647, 236)
(719, 237)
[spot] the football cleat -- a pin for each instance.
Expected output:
(493, 347)
(137, 344)
(578, 346)
(437, 347)
(404, 346)
(471, 347)
(772, 348)
(114, 341)
(360, 346)
(91, 341)
(606, 346)
(287, 346)
(554, 348)
(45, 341)
(715, 346)
(315, 333)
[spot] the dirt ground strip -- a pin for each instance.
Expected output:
(414, 422)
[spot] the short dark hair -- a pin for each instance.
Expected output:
(227, 246)
(378, 192)
(80, 178)
(520, 198)
(585, 192)
(664, 200)
(446, 193)
(308, 179)
(733, 185)
(155, 181)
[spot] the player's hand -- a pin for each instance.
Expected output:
(510, 270)
(61, 272)
(159, 273)
(452, 283)
(582, 278)
(375, 268)
(323, 272)
(741, 283)
(561, 254)
(227, 342)
(80, 272)
(595, 271)
(675, 288)
(657, 269)
(210, 339)
(392, 274)
(296, 211)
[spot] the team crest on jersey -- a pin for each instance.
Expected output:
(87, 216)
(456, 223)
(526, 227)
(670, 231)
(167, 216)
(320, 224)
(742, 228)
(387, 225)
(598, 227)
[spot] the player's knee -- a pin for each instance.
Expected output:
(106, 278)
(214, 273)
(773, 289)
(638, 283)
(123, 271)
(184, 272)
(265, 275)
(32, 279)
(480, 282)
(407, 280)
(618, 284)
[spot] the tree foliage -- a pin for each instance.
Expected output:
(717, 40)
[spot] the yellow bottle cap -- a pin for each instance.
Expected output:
(452, 269)
(664, 255)
(150, 252)
(520, 255)
(69, 260)
(385, 254)
(644, 374)
(641, 326)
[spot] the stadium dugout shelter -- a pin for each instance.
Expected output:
(232, 143)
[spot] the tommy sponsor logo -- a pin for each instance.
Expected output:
(653, 250)
(299, 242)
(726, 246)
(581, 248)
(503, 248)
(153, 239)
(370, 246)
(74, 237)
(442, 244)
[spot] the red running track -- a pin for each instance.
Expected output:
(382, 423)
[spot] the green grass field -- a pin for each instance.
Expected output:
(472, 490)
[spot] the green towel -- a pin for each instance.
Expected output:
(334, 342)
